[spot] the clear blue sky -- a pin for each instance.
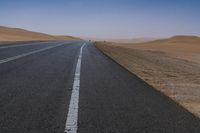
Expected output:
(104, 18)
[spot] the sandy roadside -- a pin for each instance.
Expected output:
(178, 78)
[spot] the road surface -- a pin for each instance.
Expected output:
(45, 87)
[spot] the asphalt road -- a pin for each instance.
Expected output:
(36, 89)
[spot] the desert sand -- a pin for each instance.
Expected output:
(133, 40)
(185, 47)
(123, 40)
(16, 34)
(172, 66)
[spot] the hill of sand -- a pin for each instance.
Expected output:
(16, 34)
(185, 47)
(133, 40)
(172, 66)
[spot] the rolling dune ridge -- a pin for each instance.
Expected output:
(16, 34)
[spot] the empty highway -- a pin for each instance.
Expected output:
(72, 87)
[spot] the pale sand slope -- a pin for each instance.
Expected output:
(134, 40)
(185, 47)
(16, 34)
(169, 65)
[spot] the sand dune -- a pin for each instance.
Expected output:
(16, 34)
(185, 47)
(171, 65)
(133, 40)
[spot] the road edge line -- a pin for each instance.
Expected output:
(29, 53)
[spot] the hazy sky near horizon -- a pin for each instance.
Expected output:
(104, 18)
